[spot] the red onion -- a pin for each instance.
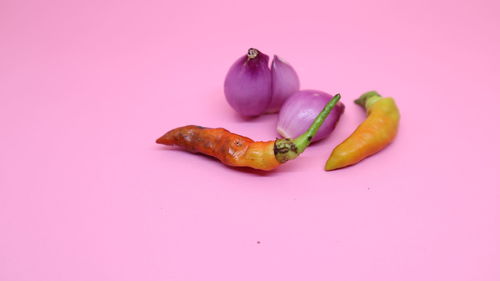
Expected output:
(248, 84)
(285, 82)
(299, 110)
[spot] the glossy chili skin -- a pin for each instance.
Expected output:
(229, 148)
(376, 132)
(239, 151)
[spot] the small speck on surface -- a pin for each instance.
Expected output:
(258, 242)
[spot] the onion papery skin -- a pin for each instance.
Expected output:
(285, 82)
(247, 86)
(299, 110)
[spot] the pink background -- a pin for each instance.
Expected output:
(85, 193)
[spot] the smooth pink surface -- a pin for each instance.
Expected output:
(85, 193)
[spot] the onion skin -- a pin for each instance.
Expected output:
(247, 86)
(299, 110)
(285, 82)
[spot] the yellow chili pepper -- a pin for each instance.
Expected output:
(375, 133)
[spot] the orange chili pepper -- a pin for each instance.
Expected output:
(376, 132)
(235, 150)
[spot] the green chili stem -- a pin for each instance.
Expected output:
(287, 149)
(304, 140)
(366, 100)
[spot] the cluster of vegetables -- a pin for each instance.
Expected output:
(305, 116)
